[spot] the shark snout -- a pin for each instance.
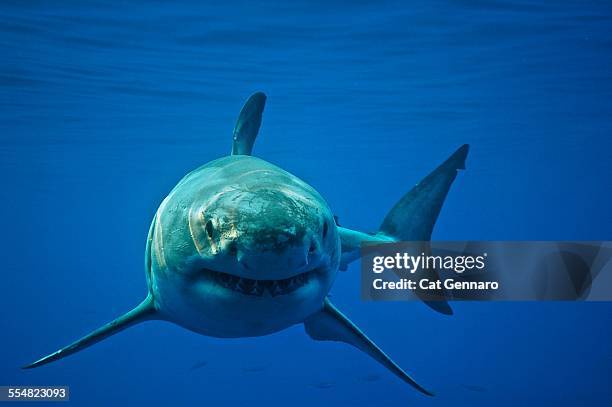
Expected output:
(266, 234)
(279, 256)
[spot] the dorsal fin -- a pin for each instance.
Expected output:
(247, 125)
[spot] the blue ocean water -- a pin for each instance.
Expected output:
(106, 105)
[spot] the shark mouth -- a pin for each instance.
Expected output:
(258, 288)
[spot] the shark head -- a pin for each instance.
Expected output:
(265, 250)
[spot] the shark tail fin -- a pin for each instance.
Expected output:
(144, 311)
(413, 217)
(248, 123)
(330, 324)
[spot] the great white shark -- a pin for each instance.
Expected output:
(243, 248)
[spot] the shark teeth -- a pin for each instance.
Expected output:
(258, 288)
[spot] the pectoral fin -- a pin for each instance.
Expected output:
(144, 311)
(330, 324)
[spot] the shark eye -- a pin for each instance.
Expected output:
(209, 228)
(325, 227)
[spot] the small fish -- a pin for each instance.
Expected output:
(474, 388)
(199, 365)
(370, 378)
(253, 369)
(323, 385)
